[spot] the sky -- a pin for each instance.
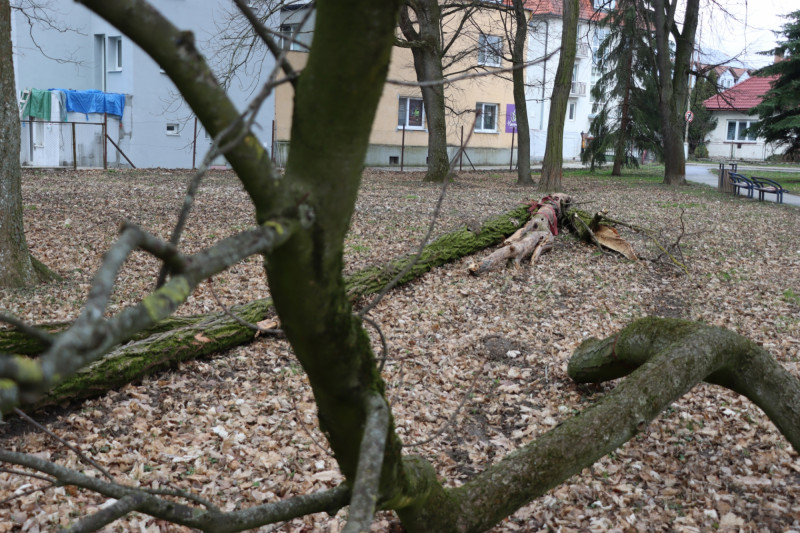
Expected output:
(745, 29)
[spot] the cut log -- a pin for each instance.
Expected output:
(531, 240)
(184, 338)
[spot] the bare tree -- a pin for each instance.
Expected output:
(673, 79)
(553, 153)
(302, 218)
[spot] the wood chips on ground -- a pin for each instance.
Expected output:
(237, 428)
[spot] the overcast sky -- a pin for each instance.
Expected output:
(746, 29)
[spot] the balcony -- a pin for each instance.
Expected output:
(582, 50)
(578, 88)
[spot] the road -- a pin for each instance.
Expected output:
(707, 174)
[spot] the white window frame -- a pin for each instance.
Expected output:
(739, 126)
(605, 5)
(490, 50)
(405, 109)
(115, 54)
(172, 128)
(288, 31)
(572, 110)
(480, 124)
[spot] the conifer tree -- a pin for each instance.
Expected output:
(779, 111)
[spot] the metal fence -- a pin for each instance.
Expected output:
(62, 144)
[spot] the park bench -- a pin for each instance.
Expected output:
(767, 186)
(739, 182)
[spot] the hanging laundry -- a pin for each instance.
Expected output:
(38, 105)
(94, 101)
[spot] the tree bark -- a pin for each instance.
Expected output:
(16, 267)
(426, 48)
(520, 103)
(673, 77)
(554, 148)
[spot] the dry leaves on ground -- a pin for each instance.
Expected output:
(240, 428)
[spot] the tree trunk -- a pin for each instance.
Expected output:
(673, 77)
(16, 267)
(554, 148)
(520, 103)
(427, 52)
(619, 149)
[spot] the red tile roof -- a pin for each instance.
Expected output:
(743, 96)
(554, 7)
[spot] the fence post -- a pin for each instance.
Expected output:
(511, 162)
(461, 151)
(74, 149)
(194, 145)
(403, 147)
(105, 144)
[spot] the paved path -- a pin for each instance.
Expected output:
(707, 174)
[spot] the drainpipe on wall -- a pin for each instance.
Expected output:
(544, 71)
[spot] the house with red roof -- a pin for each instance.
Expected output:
(731, 138)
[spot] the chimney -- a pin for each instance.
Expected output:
(778, 56)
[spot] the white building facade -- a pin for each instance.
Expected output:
(157, 128)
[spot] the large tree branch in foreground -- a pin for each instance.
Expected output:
(177, 339)
(23, 380)
(674, 355)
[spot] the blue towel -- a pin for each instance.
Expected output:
(94, 101)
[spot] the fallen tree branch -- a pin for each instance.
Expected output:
(178, 339)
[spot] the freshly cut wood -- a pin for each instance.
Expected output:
(531, 240)
(609, 237)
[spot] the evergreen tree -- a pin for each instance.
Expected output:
(704, 121)
(626, 86)
(779, 111)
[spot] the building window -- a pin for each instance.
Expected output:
(490, 50)
(411, 113)
(737, 130)
(289, 35)
(115, 53)
(173, 129)
(487, 118)
(604, 4)
(571, 109)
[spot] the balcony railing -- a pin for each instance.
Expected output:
(582, 50)
(578, 88)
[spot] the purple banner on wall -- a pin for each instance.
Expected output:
(511, 118)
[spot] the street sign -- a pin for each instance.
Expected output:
(689, 116)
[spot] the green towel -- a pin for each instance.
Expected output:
(38, 105)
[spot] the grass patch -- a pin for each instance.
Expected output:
(789, 180)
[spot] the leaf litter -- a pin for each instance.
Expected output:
(240, 429)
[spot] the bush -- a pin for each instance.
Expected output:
(701, 152)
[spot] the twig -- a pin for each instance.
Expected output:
(370, 460)
(76, 451)
(450, 420)
(383, 341)
(658, 244)
(39, 334)
(308, 431)
(437, 209)
(178, 493)
(591, 233)
(29, 492)
(241, 321)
